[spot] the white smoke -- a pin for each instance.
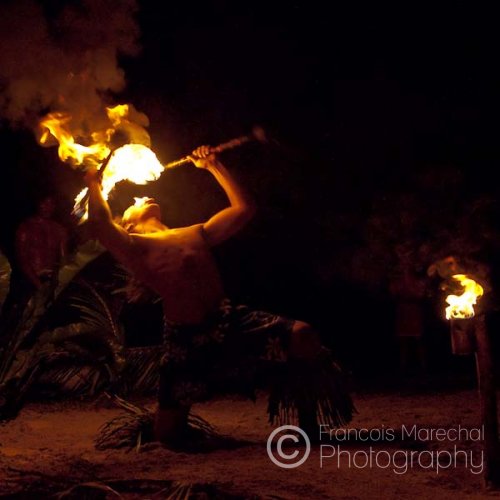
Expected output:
(65, 63)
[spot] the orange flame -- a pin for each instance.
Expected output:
(133, 162)
(57, 126)
(462, 306)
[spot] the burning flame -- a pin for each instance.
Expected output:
(133, 162)
(56, 125)
(461, 306)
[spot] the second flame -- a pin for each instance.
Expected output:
(462, 306)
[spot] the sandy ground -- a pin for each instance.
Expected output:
(49, 448)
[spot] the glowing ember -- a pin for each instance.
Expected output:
(461, 306)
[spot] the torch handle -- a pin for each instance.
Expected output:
(257, 134)
(81, 206)
(105, 163)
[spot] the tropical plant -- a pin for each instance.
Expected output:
(69, 334)
(134, 427)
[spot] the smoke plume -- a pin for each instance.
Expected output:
(64, 60)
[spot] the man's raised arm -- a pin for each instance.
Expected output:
(111, 235)
(229, 221)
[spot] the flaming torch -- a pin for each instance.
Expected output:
(462, 306)
(139, 165)
(469, 334)
(107, 147)
(120, 146)
(133, 162)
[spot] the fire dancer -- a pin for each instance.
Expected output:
(212, 344)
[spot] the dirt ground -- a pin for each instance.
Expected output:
(50, 447)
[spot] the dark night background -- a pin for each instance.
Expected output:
(374, 114)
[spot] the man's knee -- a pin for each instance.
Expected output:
(305, 341)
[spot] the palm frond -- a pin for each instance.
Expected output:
(134, 290)
(141, 373)
(32, 314)
(84, 255)
(179, 491)
(42, 301)
(94, 310)
(81, 490)
(135, 427)
(319, 387)
(100, 315)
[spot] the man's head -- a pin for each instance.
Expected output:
(144, 212)
(46, 207)
(446, 267)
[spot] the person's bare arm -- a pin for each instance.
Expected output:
(110, 235)
(230, 220)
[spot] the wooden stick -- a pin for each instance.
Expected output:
(257, 134)
(488, 402)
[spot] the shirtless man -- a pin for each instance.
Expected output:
(179, 266)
